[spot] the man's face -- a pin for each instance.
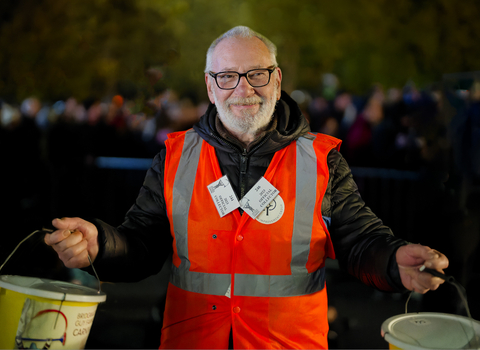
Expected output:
(244, 109)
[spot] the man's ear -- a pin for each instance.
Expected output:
(208, 82)
(278, 78)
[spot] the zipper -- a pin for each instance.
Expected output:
(244, 164)
(243, 172)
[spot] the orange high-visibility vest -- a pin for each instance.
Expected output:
(266, 282)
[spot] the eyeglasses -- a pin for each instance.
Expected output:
(229, 80)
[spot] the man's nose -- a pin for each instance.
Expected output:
(244, 88)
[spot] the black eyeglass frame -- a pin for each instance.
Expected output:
(240, 75)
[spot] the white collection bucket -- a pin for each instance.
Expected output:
(42, 313)
(431, 330)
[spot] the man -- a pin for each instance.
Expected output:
(238, 277)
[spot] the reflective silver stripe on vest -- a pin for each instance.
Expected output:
(305, 200)
(182, 277)
(279, 285)
(182, 192)
(299, 283)
(199, 282)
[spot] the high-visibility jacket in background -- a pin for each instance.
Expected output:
(264, 280)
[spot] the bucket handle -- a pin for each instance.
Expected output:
(460, 289)
(46, 230)
(449, 279)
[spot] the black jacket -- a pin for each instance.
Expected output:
(363, 245)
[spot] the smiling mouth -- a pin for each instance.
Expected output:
(247, 102)
(245, 105)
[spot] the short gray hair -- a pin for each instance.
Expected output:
(241, 32)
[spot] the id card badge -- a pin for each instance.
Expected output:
(258, 198)
(223, 196)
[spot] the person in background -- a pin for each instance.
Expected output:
(251, 204)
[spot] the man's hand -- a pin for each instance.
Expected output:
(410, 258)
(73, 241)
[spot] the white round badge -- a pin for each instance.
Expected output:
(272, 212)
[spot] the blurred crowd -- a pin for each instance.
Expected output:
(116, 127)
(395, 128)
(401, 128)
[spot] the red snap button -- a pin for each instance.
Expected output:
(236, 309)
(239, 238)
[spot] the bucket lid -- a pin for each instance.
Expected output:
(431, 330)
(50, 289)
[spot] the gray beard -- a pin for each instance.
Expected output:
(247, 123)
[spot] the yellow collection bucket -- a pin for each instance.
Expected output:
(42, 313)
(431, 330)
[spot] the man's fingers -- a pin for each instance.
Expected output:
(435, 286)
(64, 228)
(421, 283)
(419, 287)
(56, 237)
(424, 281)
(72, 252)
(74, 241)
(430, 279)
(78, 261)
(71, 247)
(66, 223)
(70, 239)
(437, 261)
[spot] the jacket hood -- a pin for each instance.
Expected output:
(291, 124)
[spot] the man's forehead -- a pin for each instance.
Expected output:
(246, 53)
